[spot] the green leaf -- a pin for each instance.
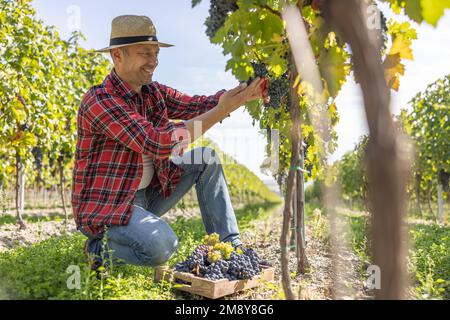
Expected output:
(433, 10)
(19, 115)
(413, 9)
(277, 65)
(334, 68)
(195, 3)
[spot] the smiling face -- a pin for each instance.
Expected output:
(135, 64)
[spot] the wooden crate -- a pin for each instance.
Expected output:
(212, 289)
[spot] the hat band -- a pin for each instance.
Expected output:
(128, 40)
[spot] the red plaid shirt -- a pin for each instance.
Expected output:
(115, 126)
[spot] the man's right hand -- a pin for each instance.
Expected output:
(232, 99)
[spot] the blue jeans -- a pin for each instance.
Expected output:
(148, 240)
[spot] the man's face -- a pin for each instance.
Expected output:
(136, 63)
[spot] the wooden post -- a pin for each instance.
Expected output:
(45, 196)
(302, 260)
(293, 230)
(61, 186)
(440, 215)
(290, 188)
(429, 200)
(350, 201)
(20, 191)
(418, 181)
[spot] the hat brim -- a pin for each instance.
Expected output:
(161, 44)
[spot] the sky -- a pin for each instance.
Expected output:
(195, 66)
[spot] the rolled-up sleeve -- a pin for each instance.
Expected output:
(116, 120)
(183, 106)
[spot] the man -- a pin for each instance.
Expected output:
(124, 179)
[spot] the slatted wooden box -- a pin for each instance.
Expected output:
(212, 289)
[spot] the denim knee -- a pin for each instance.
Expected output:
(210, 156)
(159, 250)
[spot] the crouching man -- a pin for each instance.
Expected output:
(126, 176)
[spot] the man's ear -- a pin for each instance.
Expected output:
(116, 55)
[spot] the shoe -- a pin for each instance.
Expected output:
(265, 263)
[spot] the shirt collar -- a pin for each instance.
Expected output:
(123, 88)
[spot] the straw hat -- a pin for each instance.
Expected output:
(129, 29)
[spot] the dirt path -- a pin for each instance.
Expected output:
(11, 237)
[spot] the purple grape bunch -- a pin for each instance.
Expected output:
(218, 13)
(243, 263)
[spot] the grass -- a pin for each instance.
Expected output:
(428, 257)
(428, 261)
(41, 271)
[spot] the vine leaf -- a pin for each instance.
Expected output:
(414, 10)
(393, 70)
(433, 10)
(393, 67)
(195, 3)
(402, 46)
(419, 10)
(333, 67)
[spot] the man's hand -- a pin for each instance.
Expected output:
(236, 97)
(228, 102)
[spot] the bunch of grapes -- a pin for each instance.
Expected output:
(216, 270)
(214, 256)
(278, 88)
(217, 260)
(196, 260)
(225, 249)
(444, 177)
(260, 70)
(37, 154)
(218, 13)
(244, 266)
(211, 239)
(278, 91)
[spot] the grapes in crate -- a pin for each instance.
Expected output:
(215, 260)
